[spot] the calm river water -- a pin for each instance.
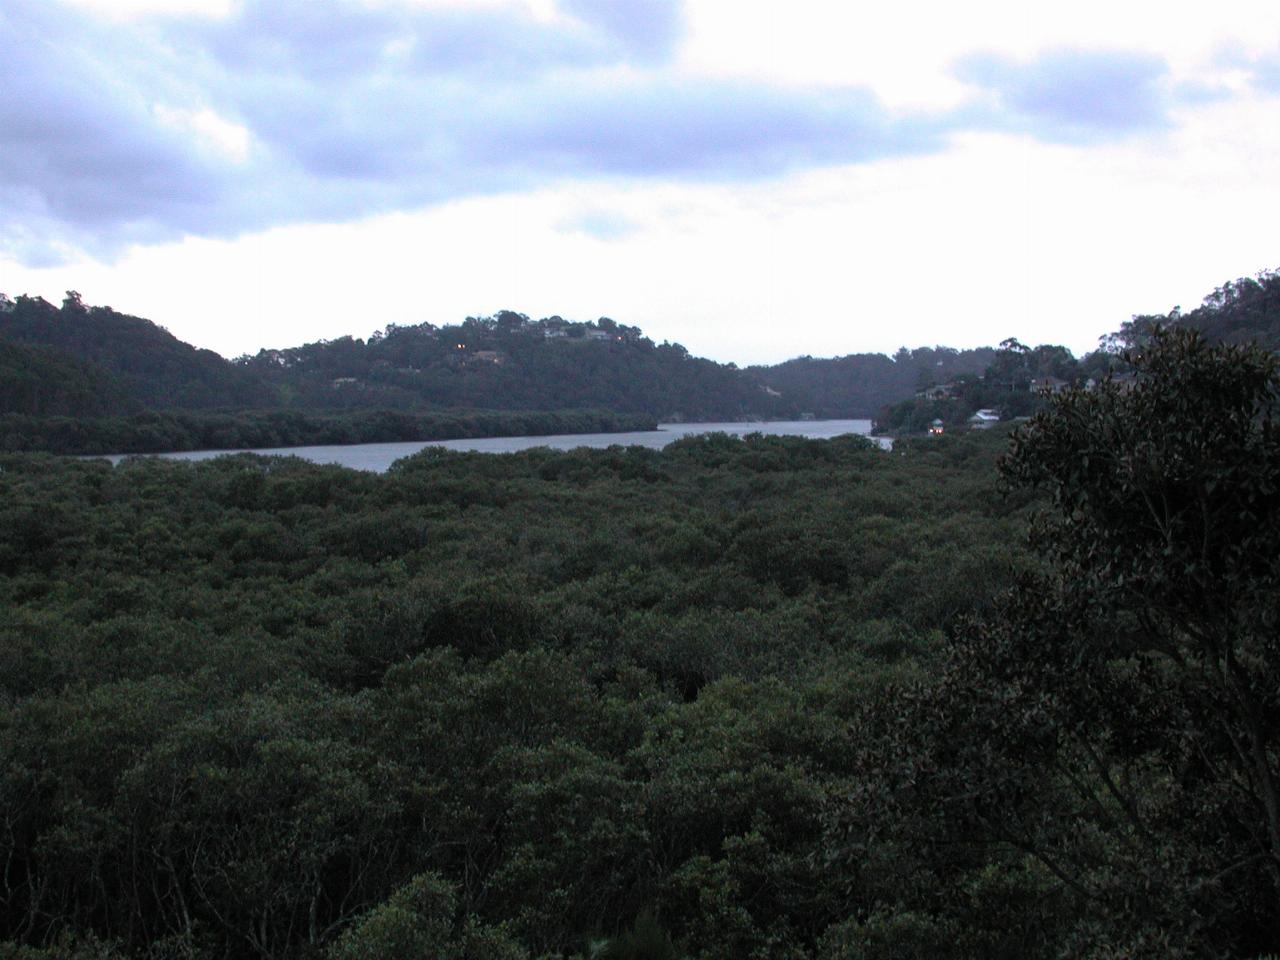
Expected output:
(379, 456)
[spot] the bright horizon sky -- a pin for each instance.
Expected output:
(753, 180)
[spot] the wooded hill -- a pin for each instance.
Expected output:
(1240, 311)
(860, 384)
(84, 361)
(1016, 378)
(90, 363)
(93, 361)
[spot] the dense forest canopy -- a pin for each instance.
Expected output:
(260, 707)
(762, 697)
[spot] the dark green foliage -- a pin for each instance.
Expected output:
(512, 363)
(152, 367)
(1114, 720)
(258, 707)
(36, 381)
(646, 940)
(80, 377)
(1165, 598)
(860, 385)
(418, 920)
(797, 699)
(1239, 312)
(78, 380)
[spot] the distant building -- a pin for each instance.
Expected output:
(941, 391)
(1048, 385)
(6, 305)
(486, 356)
(340, 382)
(936, 428)
(600, 335)
(983, 419)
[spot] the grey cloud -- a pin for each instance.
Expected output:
(333, 42)
(81, 146)
(647, 28)
(711, 129)
(369, 148)
(355, 109)
(1073, 95)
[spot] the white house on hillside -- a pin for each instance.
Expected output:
(984, 419)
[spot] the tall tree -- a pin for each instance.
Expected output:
(1126, 700)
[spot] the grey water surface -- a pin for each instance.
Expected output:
(379, 456)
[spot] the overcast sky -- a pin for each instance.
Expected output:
(756, 180)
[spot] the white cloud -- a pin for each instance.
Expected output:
(215, 132)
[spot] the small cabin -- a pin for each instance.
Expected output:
(940, 391)
(983, 419)
(936, 428)
(1048, 385)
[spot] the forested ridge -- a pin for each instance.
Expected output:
(92, 362)
(99, 366)
(1017, 378)
(762, 697)
(1240, 311)
(859, 385)
(87, 379)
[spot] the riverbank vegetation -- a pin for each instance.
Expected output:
(163, 431)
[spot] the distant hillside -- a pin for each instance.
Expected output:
(38, 381)
(509, 362)
(93, 361)
(859, 385)
(152, 368)
(83, 361)
(1239, 311)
